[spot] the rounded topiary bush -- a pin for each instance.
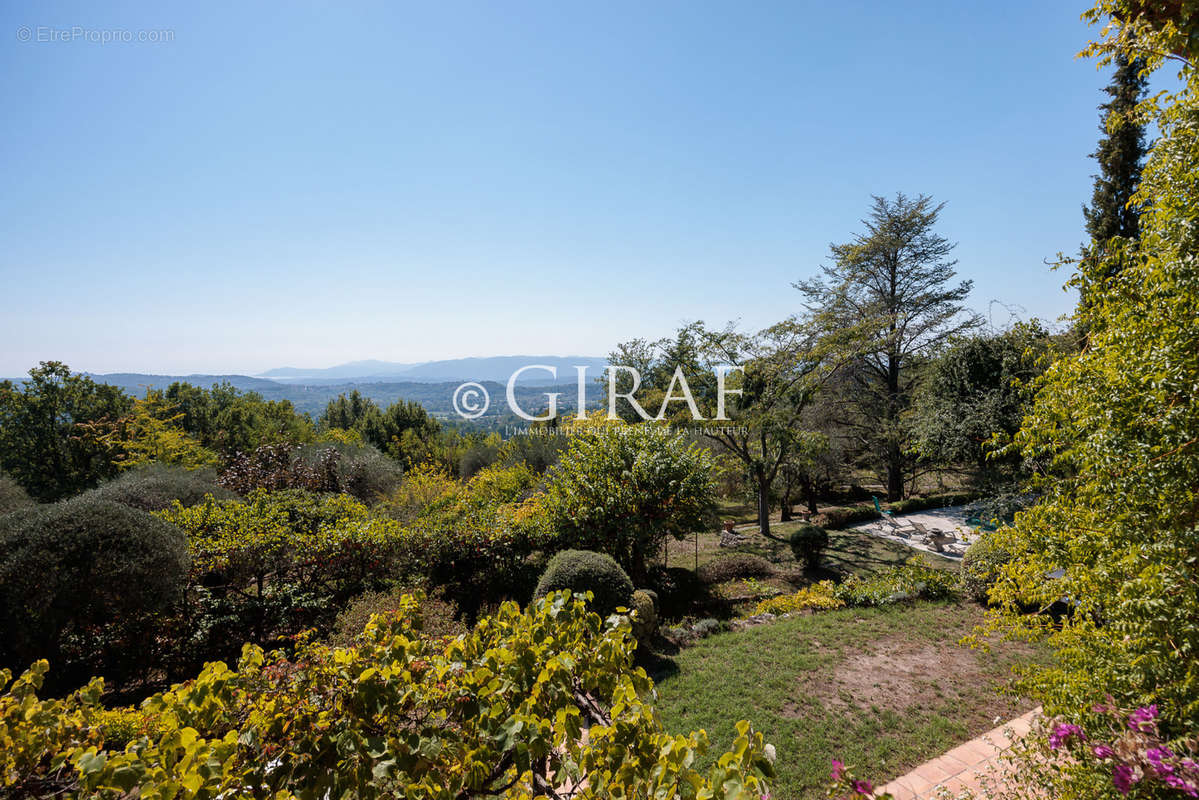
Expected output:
(12, 496)
(645, 614)
(734, 566)
(588, 571)
(155, 487)
(808, 543)
(980, 566)
(81, 583)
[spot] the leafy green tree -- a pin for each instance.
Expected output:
(777, 371)
(800, 473)
(975, 396)
(1117, 426)
(151, 432)
(404, 430)
(888, 292)
(43, 442)
(623, 489)
(230, 421)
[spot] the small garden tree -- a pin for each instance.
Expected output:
(622, 489)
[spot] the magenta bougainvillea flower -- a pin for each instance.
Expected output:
(863, 788)
(1123, 778)
(1063, 733)
(1143, 719)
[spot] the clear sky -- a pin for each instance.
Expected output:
(307, 183)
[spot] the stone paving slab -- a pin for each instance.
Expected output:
(961, 769)
(899, 528)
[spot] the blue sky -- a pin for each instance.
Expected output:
(307, 183)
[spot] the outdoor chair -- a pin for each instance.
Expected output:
(879, 508)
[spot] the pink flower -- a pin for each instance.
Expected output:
(1143, 720)
(1178, 783)
(1123, 778)
(1157, 756)
(1063, 733)
(1102, 751)
(838, 770)
(863, 788)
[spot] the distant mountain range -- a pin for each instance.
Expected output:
(431, 383)
(493, 368)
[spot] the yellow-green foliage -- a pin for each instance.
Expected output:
(427, 489)
(38, 737)
(817, 596)
(1115, 429)
(497, 712)
(288, 534)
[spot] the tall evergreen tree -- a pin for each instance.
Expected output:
(1121, 155)
(890, 294)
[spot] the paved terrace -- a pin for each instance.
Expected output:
(907, 529)
(961, 771)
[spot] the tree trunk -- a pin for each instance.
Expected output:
(894, 472)
(785, 506)
(763, 503)
(638, 572)
(809, 489)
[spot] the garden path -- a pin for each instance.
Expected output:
(964, 769)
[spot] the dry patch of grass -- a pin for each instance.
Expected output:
(883, 688)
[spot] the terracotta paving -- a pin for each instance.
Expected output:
(960, 771)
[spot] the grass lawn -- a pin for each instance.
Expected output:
(881, 689)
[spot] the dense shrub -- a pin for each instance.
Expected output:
(12, 496)
(155, 487)
(426, 491)
(587, 571)
(914, 580)
(682, 594)
(808, 543)
(820, 595)
(275, 564)
(276, 467)
(82, 581)
(436, 617)
(981, 565)
(361, 470)
(838, 517)
(287, 560)
(943, 500)
(497, 713)
(624, 490)
(733, 566)
(644, 606)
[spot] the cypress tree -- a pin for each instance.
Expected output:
(1121, 153)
